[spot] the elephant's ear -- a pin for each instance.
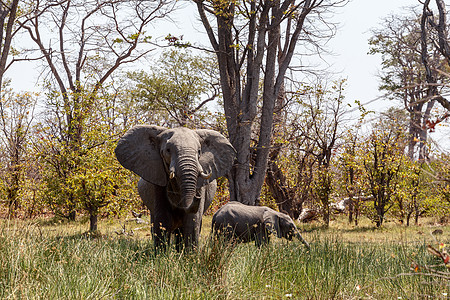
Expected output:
(138, 151)
(217, 154)
(272, 222)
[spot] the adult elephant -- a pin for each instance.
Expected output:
(178, 168)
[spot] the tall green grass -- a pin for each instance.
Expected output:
(36, 264)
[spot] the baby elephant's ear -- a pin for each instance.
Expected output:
(138, 151)
(217, 154)
(271, 222)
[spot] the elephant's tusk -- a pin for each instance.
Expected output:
(202, 173)
(205, 175)
(172, 175)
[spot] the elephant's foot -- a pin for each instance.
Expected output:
(161, 243)
(161, 239)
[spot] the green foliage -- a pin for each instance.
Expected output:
(351, 160)
(177, 41)
(398, 42)
(383, 160)
(79, 169)
(16, 115)
(412, 195)
(177, 88)
(308, 144)
(323, 187)
(381, 180)
(438, 183)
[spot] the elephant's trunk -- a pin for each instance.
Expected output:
(300, 237)
(188, 174)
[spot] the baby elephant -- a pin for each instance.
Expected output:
(245, 223)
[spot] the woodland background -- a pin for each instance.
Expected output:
(300, 142)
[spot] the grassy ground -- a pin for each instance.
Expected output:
(46, 260)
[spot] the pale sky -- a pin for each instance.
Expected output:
(350, 46)
(361, 69)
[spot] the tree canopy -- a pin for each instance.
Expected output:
(299, 145)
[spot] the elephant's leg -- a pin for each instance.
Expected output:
(191, 230)
(161, 234)
(163, 219)
(258, 239)
(155, 198)
(178, 239)
(261, 237)
(222, 232)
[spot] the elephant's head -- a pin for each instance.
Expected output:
(282, 225)
(181, 159)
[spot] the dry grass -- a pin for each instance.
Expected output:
(44, 259)
(366, 232)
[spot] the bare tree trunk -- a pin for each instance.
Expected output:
(442, 29)
(6, 33)
(275, 179)
(276, 182)
(72, 216)
(432, 91)
(241, 95)
(423, 132)
(93, 221)
(324, 191)
(350, 193)
(416, 217)
(415, 122)
(351, 208)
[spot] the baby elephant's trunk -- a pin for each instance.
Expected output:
(300, 237)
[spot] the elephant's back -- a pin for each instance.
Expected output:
(234, 213)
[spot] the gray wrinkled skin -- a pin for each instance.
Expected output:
(178, 168)
(247, 223)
